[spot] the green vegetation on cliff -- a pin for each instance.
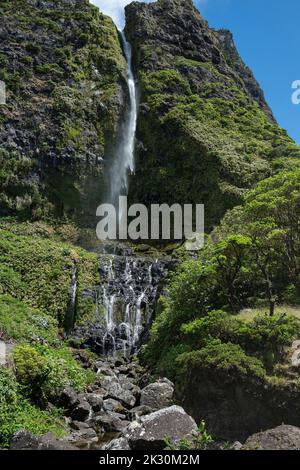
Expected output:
(37, 269)
(64, 72)
(207, 135)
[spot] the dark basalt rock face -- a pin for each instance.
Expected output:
(205, 132)
(64, 71)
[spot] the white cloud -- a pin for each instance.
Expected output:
(115, 9)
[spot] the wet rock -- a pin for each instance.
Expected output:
(81, 412)
(144, 380)
(158, 394)
(119, 362)
(79, 425)
(105, 370)
(150, 433)
(24, 440)
(117, 444)
(87, 434)
(283, 437)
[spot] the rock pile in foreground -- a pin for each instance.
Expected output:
(122, 411)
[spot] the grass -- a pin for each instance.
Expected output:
(36, 269)
(248, 315)
(22, 323)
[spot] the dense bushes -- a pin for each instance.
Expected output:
(36, 269)
(45, 372)
(17, 413)
(221, 358)
(251, 260)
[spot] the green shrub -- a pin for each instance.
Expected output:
(45, 371)
(63, 370)
(8, 387)
(221, 358)
(17, 413)
(200, 441)
(30, 366)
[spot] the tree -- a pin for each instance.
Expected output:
(231, 260)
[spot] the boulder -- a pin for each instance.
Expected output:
(158, 394)
(172, 422)
(139, 411)
(24, 440)
(110, 422)
(95, 400)
(82, 411)
(69, 399)
(283, 437)
(116, 391)
(113, 405)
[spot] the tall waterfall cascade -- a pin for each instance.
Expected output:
(123, 164)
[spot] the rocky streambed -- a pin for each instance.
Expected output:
(121, 411)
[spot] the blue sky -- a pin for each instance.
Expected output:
(266, 33)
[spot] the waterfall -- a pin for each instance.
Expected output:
(125, 302)
(124, 162)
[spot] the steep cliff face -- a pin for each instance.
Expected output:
(205, 131)
(64, 72)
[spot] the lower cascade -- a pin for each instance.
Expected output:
(125, 302)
